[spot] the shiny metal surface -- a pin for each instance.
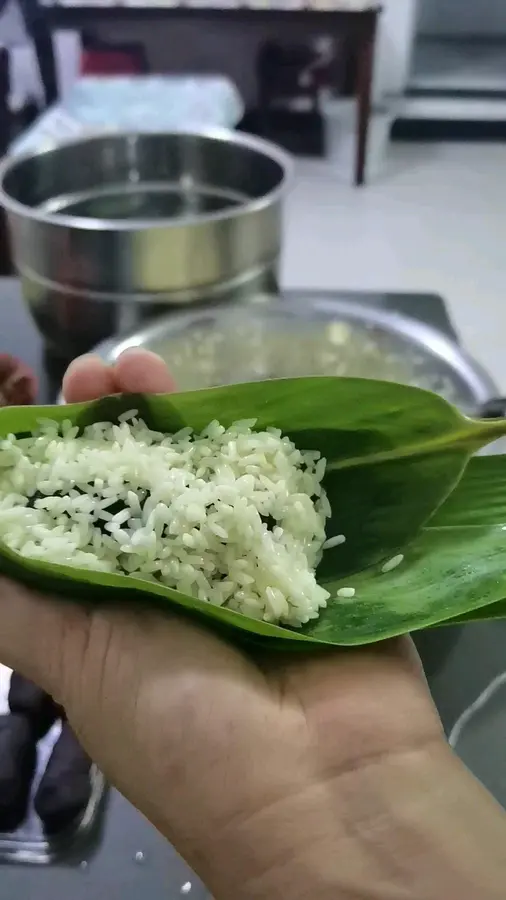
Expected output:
(108, 230)
(312, 335)
(30, 845)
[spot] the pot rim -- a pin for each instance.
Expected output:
(56, 219)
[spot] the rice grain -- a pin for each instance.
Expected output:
(392, 563)
(346, 592)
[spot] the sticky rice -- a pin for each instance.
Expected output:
(232, 516)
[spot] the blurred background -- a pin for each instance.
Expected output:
(435, 157)
(376, 249)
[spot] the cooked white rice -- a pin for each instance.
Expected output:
(334, 542)
(231, 516)
(392, 564)
(346, 593)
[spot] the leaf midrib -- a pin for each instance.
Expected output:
(476, 435)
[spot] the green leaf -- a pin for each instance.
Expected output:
(394, 455)
(455, 570)
(479, 498)
(447, 574)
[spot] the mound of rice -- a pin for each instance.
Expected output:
(231, 516)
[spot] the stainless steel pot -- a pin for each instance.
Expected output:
(308, 334)
(110, 229)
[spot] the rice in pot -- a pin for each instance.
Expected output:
(230, 516)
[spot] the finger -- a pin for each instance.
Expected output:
(88, 378)
(142, 372)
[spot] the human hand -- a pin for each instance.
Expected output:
(260, 771)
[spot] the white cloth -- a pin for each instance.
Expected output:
(67, 51)
(24, 74)
(25, 81)
(12, 26)
(5, 681)
(145, 103)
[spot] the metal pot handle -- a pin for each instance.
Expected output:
(493, 409)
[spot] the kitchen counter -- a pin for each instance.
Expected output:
(460, 662)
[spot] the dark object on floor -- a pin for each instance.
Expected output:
(5, 139)
(18, 754)
(5, 112)
(285, 78)
(285, 73)
(35, 18)
(472, 131)
(494, 409)
(65, 789)
(101, 57)
(29, 700)
(299, 132)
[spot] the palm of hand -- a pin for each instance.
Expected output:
(218, 749)
(204, 739)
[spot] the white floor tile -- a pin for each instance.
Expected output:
(435, 222)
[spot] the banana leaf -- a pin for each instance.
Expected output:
(394, 456)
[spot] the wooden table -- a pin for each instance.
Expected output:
(355, 21)
(5, 130)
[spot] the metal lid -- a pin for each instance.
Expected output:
(273, 337)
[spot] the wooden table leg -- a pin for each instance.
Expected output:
(365, 64)
(5, 120)
(6, 267)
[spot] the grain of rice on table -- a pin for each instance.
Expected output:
(231, 516)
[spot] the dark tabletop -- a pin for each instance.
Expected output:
(459, 663)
